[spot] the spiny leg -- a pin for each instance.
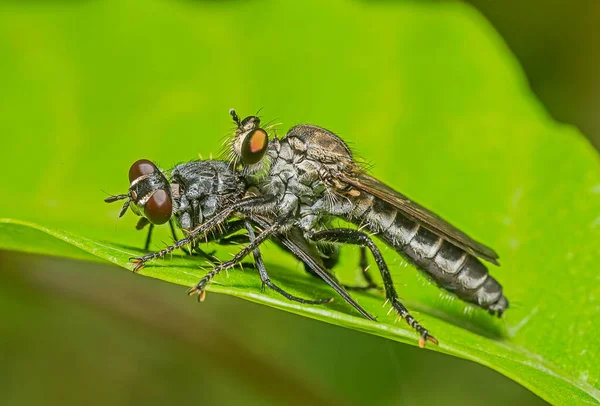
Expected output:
(231, 227)
(142, 223)
(364, 267)
(264, 277)
(222, 238)
(226, 236)
(255, 243)
(203, 229)
(238, 239)
(329, 255)
(175, 238)
(213, 260)
(226, 229)
(350, 236)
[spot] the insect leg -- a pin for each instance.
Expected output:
(264, 277)
(174, 235)
(254, 243)
(350, 236)
(227, 238)
(301, 249)
(149, 237)
(202, 229)
(330, 255)
(364, 267)
(222, 238)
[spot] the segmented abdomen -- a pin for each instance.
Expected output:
(449, 266)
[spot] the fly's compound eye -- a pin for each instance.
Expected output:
(158, 208)
(141, 168)
(254, 146)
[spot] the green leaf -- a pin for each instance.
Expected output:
(427, 92)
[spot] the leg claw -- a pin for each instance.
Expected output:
(198, 289)
(426, 337)
(139, 263)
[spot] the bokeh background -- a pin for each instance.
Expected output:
(84, 333)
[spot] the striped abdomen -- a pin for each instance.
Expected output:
(449, 266)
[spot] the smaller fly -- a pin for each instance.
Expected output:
(198, 191)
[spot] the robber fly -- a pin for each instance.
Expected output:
(313, 177)
(200, 189)
(308, 178)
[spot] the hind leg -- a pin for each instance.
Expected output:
(355, 237)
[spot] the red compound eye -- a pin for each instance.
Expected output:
(140, 168)
(158, 208)
(254, 146)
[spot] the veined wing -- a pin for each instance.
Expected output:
(418, 213)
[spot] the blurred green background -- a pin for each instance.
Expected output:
(75, 332)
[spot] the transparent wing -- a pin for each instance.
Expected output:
(418, 213)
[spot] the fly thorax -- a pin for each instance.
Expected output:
(308, 172)
(289, 205)
(283, 170)
(282, 151)
(273, 186)
(183, 203)
(184, 221)
(318, 144)
(210, 205)
(308, 221)
(184, 214)
(314, 216)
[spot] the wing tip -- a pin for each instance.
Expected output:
(492, 258)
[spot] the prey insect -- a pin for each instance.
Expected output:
(312, 177)
(199, 191)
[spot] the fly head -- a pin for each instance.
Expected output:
(250, 142)
(149, 195)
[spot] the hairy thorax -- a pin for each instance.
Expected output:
(201, 189)
(299, 174)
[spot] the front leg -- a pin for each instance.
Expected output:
(266, 281)
(226, 231)
(255, 243)
(204, 228)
